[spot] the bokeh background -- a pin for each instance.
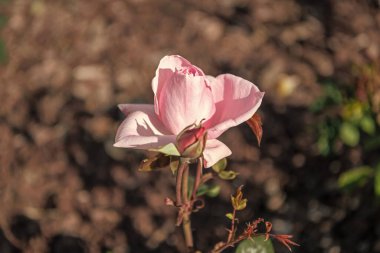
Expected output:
(66, 64)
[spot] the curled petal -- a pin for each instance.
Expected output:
(236, 100)
(185, 100)
(166, 68)
(214, 151)
(141, 129)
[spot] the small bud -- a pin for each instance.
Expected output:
(237, 201)
(191, 141)
(169, 201)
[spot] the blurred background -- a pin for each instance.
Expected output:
(65, 65)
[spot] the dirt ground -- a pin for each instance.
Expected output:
(65, 188)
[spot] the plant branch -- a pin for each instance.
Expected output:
(182, 166)
(231, 233)
(197, 180)
(186, 223)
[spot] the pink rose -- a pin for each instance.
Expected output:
(184, 95)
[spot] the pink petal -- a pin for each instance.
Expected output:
(166, 68)
(214, 151)
(141, 129)
(185, 100)
(236, 100)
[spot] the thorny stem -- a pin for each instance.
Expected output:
(182, 197)
(231, 233)
(186, 223)
(181, 168)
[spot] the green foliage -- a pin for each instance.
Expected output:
(220, 165)
(228, 175)
(229, 216)
(349, 134)
(255, 245)
(332, 96)
(345, 119)
(220, 169)
(348, 117)
(211, 191)
(377, 180)
(355, 177)
(368, 125)
(238, 202)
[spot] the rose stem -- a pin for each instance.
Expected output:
(181, 168)
(186, 224)
(198, 176)
(232, 231)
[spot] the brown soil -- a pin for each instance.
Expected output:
(64, 188)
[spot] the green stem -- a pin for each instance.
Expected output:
(231, 234)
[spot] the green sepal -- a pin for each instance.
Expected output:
(168, 149)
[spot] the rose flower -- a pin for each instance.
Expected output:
(184, 96)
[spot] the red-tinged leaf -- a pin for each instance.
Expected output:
(255, 124)
(285, 240)
(268, 226)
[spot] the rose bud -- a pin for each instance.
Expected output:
(191, 142)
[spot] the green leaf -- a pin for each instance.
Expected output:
(323, 145)
(229, 216)
(255, 245)
(228, 174)
(202, 190)
(242, 204)
(349, 134)
(355, 177)
(220, 165)
(169, 149)
(368, 125)
(377, 180)
(213, 191)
